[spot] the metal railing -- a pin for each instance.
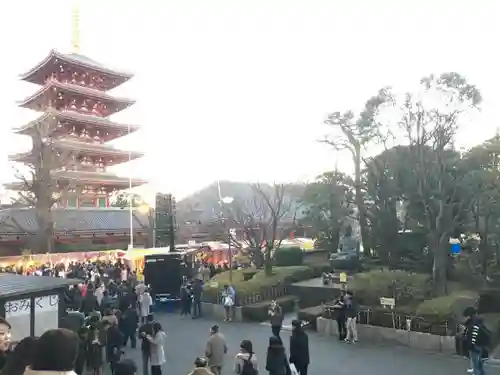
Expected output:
(393, 319)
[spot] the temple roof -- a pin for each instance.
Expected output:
(13, 285)
(82, 148)
(78, 60)
(54, 115)
(23, 220)
(76, 89)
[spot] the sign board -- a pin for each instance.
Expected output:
(18, 312)
(388, 302)
(191, 243)
(343, 277)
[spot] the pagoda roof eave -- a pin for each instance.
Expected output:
(74, 116)
(110, 180)
(80, 148)
(78, 60)
(98, 148)
(95, 177)
(77, 90)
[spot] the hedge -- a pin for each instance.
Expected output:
(406, 287)
(448, 307)
(258, 281)
(288, 256)
(258, 312)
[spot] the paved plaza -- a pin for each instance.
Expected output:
(187, 338)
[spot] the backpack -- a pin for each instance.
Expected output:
(248, 368)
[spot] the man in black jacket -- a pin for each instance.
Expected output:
(299, 348)
(128, 325)
(145, 330)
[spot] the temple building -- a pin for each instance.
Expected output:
(74, 128)
(74, 124)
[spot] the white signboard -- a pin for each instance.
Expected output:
(17, 314)
(46, 313)
(387, 302)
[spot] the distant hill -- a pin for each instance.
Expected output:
(203, 206)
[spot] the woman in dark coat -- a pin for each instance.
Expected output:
(276, 361)
(299, 348)
(114, 343)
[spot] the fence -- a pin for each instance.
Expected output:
(264, 294)
(391, 319)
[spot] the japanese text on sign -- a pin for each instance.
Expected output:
(22, 306)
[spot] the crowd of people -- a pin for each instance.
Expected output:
(110, 310)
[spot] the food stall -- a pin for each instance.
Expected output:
(135, 258)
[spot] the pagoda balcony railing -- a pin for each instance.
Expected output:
(84, 168)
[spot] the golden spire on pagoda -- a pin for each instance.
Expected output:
(76, 27)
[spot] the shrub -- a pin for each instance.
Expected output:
(288, 256)
(280, 276)
(258, 312)
(405, 287)
(448, 307)
(489, 300)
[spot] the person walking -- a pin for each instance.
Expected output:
(299, 348)
(276, 318)
(144, 331)
(276, 361)
(477, 340)
(228, 300)
(216, 350)
(145, 303)
(246, 361)
(157, 341)
(351, 314)
(128, 325)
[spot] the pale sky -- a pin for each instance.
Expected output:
(238, 89)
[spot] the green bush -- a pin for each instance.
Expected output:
(288, 256)
(448, 307)
(281, 275)
(405, 287)
(258, 312)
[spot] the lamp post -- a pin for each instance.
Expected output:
(227, 201)
(130, 203)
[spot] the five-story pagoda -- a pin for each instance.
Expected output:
(75, 128)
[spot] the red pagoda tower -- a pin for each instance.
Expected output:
(74, 122)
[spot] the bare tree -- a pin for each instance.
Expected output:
(355, 134)
(430, 120)
(260, 217)
(40, 190)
